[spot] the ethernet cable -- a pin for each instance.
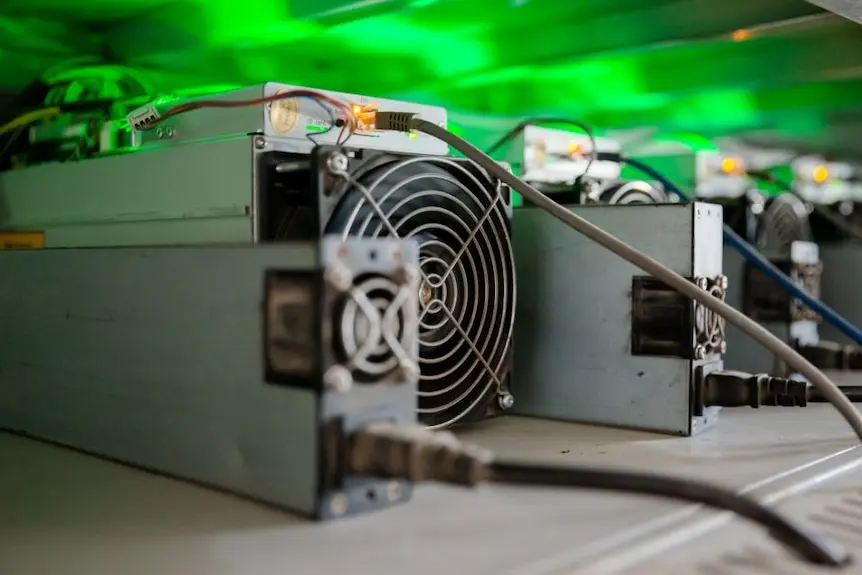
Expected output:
(406, 122)
(414, 453)
(764, 265)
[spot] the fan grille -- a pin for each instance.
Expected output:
(627, 192)
(372, 327)
(784, 221)
(459, 217)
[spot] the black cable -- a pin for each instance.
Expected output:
(416, 454)
(853, 393)
(809, 546)
(538, 121)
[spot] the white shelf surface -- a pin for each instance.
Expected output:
(64, 512)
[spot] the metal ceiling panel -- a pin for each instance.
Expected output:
(850, 9)
(785, 68)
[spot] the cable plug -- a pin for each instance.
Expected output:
(740, 389)
(411, 452)
(395, 121)
(833, 355)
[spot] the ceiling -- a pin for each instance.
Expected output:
(766, 71)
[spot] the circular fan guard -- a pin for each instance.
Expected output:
(784, 220)
(370, 328)
(629, 192)
(467, 293)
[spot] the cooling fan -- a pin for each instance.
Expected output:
(782, 220)
(460, 217)
(374, 330)
(622, 192)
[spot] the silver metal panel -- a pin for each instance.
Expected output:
(573, 323)
(301, 122)
(185, 195)
(153, 356)
(840, 286)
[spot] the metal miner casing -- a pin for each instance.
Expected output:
(155, 357)
(574, 318)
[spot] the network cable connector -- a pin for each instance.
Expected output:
(294, 123)
(245, 368)
(601, 342)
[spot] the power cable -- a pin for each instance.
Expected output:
(417, 454)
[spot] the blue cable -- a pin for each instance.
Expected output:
(756, 259)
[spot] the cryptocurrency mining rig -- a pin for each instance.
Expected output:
(273, 163)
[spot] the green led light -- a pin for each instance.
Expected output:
(412, 135)
(315, 128)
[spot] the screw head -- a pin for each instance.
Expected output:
(702, 283)
(339, 278)
(722, 347)
(337, 163)
(699, 352)
(338, 504)
(506, 400)
(260, 142)
(169, 132)
(337, 378)
(160, 132)
(723, 281)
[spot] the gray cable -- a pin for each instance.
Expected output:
(830, 391)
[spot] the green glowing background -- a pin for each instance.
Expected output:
(767, 70)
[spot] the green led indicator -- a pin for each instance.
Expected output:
(315, 128)
(412, 135)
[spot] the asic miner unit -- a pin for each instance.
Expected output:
(283, 166)
(239, 367)
(779, 228)
(599, 340)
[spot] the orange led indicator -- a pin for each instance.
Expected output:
(574, 148)
(820, 174)
(740, 35)
(731, 166)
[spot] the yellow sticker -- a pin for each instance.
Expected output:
(284, 114)
(22, 240)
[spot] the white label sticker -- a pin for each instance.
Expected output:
(143, 117)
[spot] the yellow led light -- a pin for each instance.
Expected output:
(574, 148)
(731, 166)
(820, 174)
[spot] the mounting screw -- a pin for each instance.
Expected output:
(169, 132)
(409, 370)
(160, 132)
(337, 378)
(506, 401)
(699, 352)
(337, 163)
(260, 142)
(723, 281)
(722, 347)
(339, 278)
(338, 504)
(702, 283)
